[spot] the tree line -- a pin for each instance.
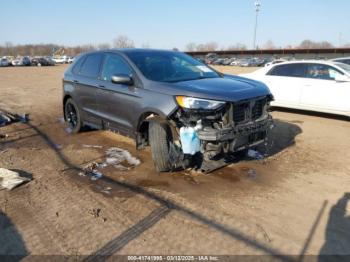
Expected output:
(122, 41)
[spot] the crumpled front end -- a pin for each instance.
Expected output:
(231, 128)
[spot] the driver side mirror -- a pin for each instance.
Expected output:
(342, 78)
(122, 80)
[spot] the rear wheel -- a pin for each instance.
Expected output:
(160, 138)
(72, 116)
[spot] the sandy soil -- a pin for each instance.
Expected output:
(293, 202)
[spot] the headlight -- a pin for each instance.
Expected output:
(197, 103)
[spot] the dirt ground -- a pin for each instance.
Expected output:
(293, 202)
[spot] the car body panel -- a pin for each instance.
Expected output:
(329, 96)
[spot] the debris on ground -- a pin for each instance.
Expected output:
(92, 146)
(95, 212)
(252, 174)
(254, 154)
(10, 179)
(7, 118)
(116, 156)
(91, 171)
(4, 136)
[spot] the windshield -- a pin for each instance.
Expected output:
(345, 67)
(170, 66)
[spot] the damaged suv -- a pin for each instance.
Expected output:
(186, 111)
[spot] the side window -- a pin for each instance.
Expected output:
(320, 71)
(77, 65)
(114, 65)
(291, 70)
(91, 66)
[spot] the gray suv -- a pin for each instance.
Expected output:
(187, 112)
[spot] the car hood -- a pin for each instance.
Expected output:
(228, 88)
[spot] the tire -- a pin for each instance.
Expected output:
(72, 116)
(159, 139)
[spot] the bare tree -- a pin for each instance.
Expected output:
(190, 47)
(210, 46)
(237, 46)
(123, 41)
(269, 45)
(308, 44)
(103, 46)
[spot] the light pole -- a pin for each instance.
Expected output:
(257, 9)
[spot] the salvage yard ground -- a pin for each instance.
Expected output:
(294, 202)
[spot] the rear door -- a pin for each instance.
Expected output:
(321, 91)
(285, 82)
(85, 78)
(116, 102)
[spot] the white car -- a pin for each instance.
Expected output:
(60, 60)
(322, 86)
(4, 62)
(345, 60)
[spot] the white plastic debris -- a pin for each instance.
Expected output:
(254, 154)
(117, 155)
(10, 179)
(92, 146)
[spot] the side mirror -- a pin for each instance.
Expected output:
(122, 80)
(342, 78)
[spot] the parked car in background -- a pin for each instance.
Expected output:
(168, 100)
(41, 61)
(4, 62)
(60, 59)
(16, 61)
(70, 59)
(275, 61)
(345, 60)
(25, 61)
(314, 85)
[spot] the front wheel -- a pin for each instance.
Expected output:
(160, 139)
(72, 116)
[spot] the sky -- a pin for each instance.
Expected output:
(173, 23)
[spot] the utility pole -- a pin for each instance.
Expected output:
(257, 9)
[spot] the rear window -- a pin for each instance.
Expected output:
(91, 66)
(291, 70)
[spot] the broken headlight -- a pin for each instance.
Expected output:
(198, 103)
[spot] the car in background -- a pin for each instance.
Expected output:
(16, 61)
(25, 61)
(41, 61)
(179, 106)
(345, 60)
(314, 85)
(4, 62)
(60, 59)
(70, 59)
(275, 61)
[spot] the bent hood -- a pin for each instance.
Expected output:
(228, 88)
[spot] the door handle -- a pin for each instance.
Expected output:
(75, 81)
(101, 86)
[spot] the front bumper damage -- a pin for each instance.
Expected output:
(213, 138)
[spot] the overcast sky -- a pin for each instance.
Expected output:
(173, 23)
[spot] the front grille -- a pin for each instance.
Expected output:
(258, 108)
(248, 111)
(239, 112)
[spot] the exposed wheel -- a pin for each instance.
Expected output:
(72, 116)
(160, 138)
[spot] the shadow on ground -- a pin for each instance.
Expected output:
(11, 243)
(281, 136)
(337, 232)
